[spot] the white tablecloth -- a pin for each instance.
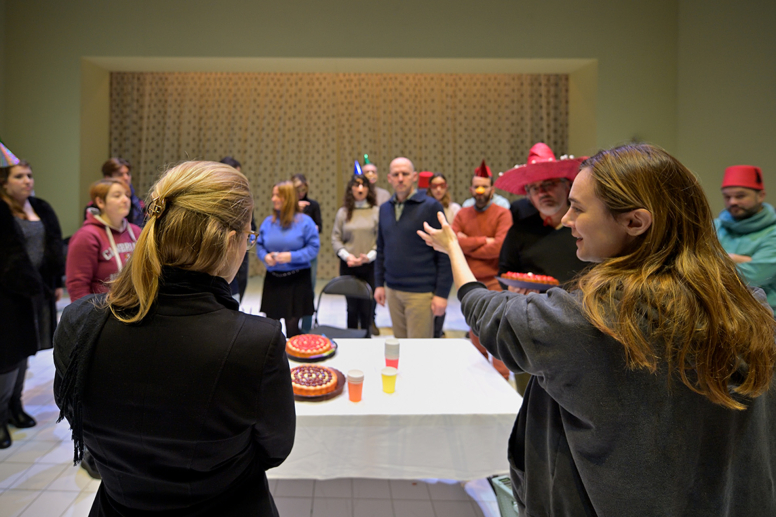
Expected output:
(450, 417)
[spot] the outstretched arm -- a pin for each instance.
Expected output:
(445, 241)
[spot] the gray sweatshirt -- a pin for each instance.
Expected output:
(596, 438)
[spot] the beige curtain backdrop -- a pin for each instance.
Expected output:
(279, 124)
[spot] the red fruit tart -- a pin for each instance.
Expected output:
(311, 380)
(308, 345)
(530, 277)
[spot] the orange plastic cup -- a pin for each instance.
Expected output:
(355, 385)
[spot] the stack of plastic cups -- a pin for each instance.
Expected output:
(392, 353)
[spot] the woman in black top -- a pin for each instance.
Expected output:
(183, 401)
(31, 269)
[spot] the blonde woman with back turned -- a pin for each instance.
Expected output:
(650, 380)
(183, 401)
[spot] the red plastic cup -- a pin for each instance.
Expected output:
(392, 353)
(355, 385)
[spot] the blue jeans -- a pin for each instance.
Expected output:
(307, 321)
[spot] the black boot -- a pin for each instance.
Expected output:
(5, 437)
(19, 419)
(89, 465)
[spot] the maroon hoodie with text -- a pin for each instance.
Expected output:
(96, 254)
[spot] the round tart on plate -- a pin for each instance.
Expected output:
(529, 281)
(312, 380)
(310, 348)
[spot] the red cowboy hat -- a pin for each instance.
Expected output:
(541, 165)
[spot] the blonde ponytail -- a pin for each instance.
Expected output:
(192, 209)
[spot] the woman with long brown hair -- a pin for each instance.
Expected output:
(288, 241)
(31, 268)
(183, 401)
(354, 239)
(649, 389)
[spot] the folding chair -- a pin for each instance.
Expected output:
(346, 286)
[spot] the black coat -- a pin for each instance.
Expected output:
(185, 411)
(20, 281)
(532, 247)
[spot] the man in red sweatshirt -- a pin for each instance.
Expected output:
(481, 230)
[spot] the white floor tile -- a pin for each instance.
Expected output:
(447, 492)
(23, 435)
(332, 507)
(61, 453)
(51, 503)
(14, 502)
(371, 488)
(30, 451)
(38, 476)
(73, 479)
(295, 488)
(372, 508)
(334, 488)
(10, 473)
(93, 486)
(413, 508)
(294, 506)
(54, 432)
(81, 506)
(454, 508)
(412, 490)
(487, 508)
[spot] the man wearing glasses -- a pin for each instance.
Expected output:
(538, 243)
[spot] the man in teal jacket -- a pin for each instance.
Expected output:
(747, 228)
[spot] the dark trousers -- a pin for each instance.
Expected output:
(11, 387)
(360, 312)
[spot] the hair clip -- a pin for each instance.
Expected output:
(156, 207)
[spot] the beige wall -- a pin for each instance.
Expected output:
(726, 93)
(635, 49)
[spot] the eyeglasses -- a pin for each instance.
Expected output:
(253, 237)
(438, 185)
(544, 185)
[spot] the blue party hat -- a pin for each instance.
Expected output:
(357, 169)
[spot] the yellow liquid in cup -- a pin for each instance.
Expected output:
(389, 379)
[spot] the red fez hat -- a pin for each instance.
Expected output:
(541, 165)
(424, 178)
(746, 176)
(483, 171)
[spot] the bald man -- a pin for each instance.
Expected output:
(411, 277)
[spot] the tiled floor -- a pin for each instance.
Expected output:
(37, 478)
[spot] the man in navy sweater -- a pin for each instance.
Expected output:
(413, 278)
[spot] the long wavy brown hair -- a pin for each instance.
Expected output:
(350, 201)
(193, 208)
(674, 295)
(290, 206)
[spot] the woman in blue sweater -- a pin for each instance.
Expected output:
(288, 241)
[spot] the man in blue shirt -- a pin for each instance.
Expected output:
(411, 277)
(747, 228)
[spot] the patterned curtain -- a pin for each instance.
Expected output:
(279, 124)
